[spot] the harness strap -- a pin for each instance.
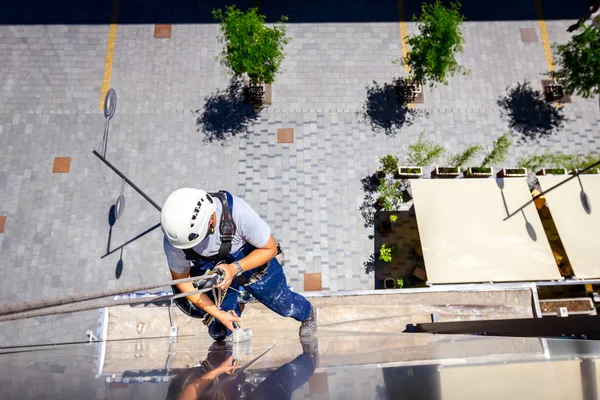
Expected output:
(226, 225)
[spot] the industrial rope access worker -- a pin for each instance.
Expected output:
(206, 231)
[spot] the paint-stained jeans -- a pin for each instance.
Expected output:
(271, 290)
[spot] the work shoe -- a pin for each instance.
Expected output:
(309, 325)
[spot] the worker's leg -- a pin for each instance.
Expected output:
(273, 291)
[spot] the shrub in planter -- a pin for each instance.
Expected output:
(512, 172)
(479, 172)
(410, 172)
(386, 253)
(588, 172)
(552, 171)
(558, 160)
(499, 151)
(391, 195)
(464, 158)
(250, 47)
(424, 152)
(400, 283)
(388, 164)
(446, 172)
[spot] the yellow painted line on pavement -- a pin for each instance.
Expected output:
(403, 32)
(403, 38)
(544, 33)
(110, 50)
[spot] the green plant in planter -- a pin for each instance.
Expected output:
(424, 152)
(386, 253)
(432, 52)
(391, 195)
(400, 283)
(393, 218)
(389, 164)
(249, 46)
(559, 160)
(464, 158)
(499, 151)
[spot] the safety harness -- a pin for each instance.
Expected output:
(227, 231)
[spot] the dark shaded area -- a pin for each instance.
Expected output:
(370, 183)
(576, 326)
(386, 108)
(369, 264)
(119, 268)
(225, 114)
(310, 11)
(367, 209)
(529, 113)
(111, 222)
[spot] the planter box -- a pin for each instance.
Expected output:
(512, 173)
(479, 172)
(574, 306)
(552, 171)
(257, 95)
(446, 172)
(592, 171)
(410, 172)
(389, 283)
(407, 92)
(553, 92)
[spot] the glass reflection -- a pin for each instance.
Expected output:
(220, 375)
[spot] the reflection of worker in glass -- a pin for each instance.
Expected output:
(212, 380)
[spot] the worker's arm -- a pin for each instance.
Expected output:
(198, 386)
(204, 302)
(255, 259)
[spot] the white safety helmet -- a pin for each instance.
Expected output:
(185, 215)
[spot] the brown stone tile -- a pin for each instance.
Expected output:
(61, 164)
(2, 223)
(162, 31)
(285, 135)
(318, 383)
(528, 35)
(313, 282)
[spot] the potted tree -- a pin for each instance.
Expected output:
(252, 49)
(578, 63)
(432, 51)
(496, 155)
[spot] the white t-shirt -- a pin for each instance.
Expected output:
(249, 228)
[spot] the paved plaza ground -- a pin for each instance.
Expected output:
(177, 124)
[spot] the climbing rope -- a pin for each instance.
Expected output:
(85, 301)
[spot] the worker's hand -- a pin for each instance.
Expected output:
(230, 271)
(227, 366)
(227, 319)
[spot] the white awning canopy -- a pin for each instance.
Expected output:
(465, 237)
(575, 208)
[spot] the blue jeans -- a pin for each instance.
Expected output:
(272, 291)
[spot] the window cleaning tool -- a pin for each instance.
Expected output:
(239, 335)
